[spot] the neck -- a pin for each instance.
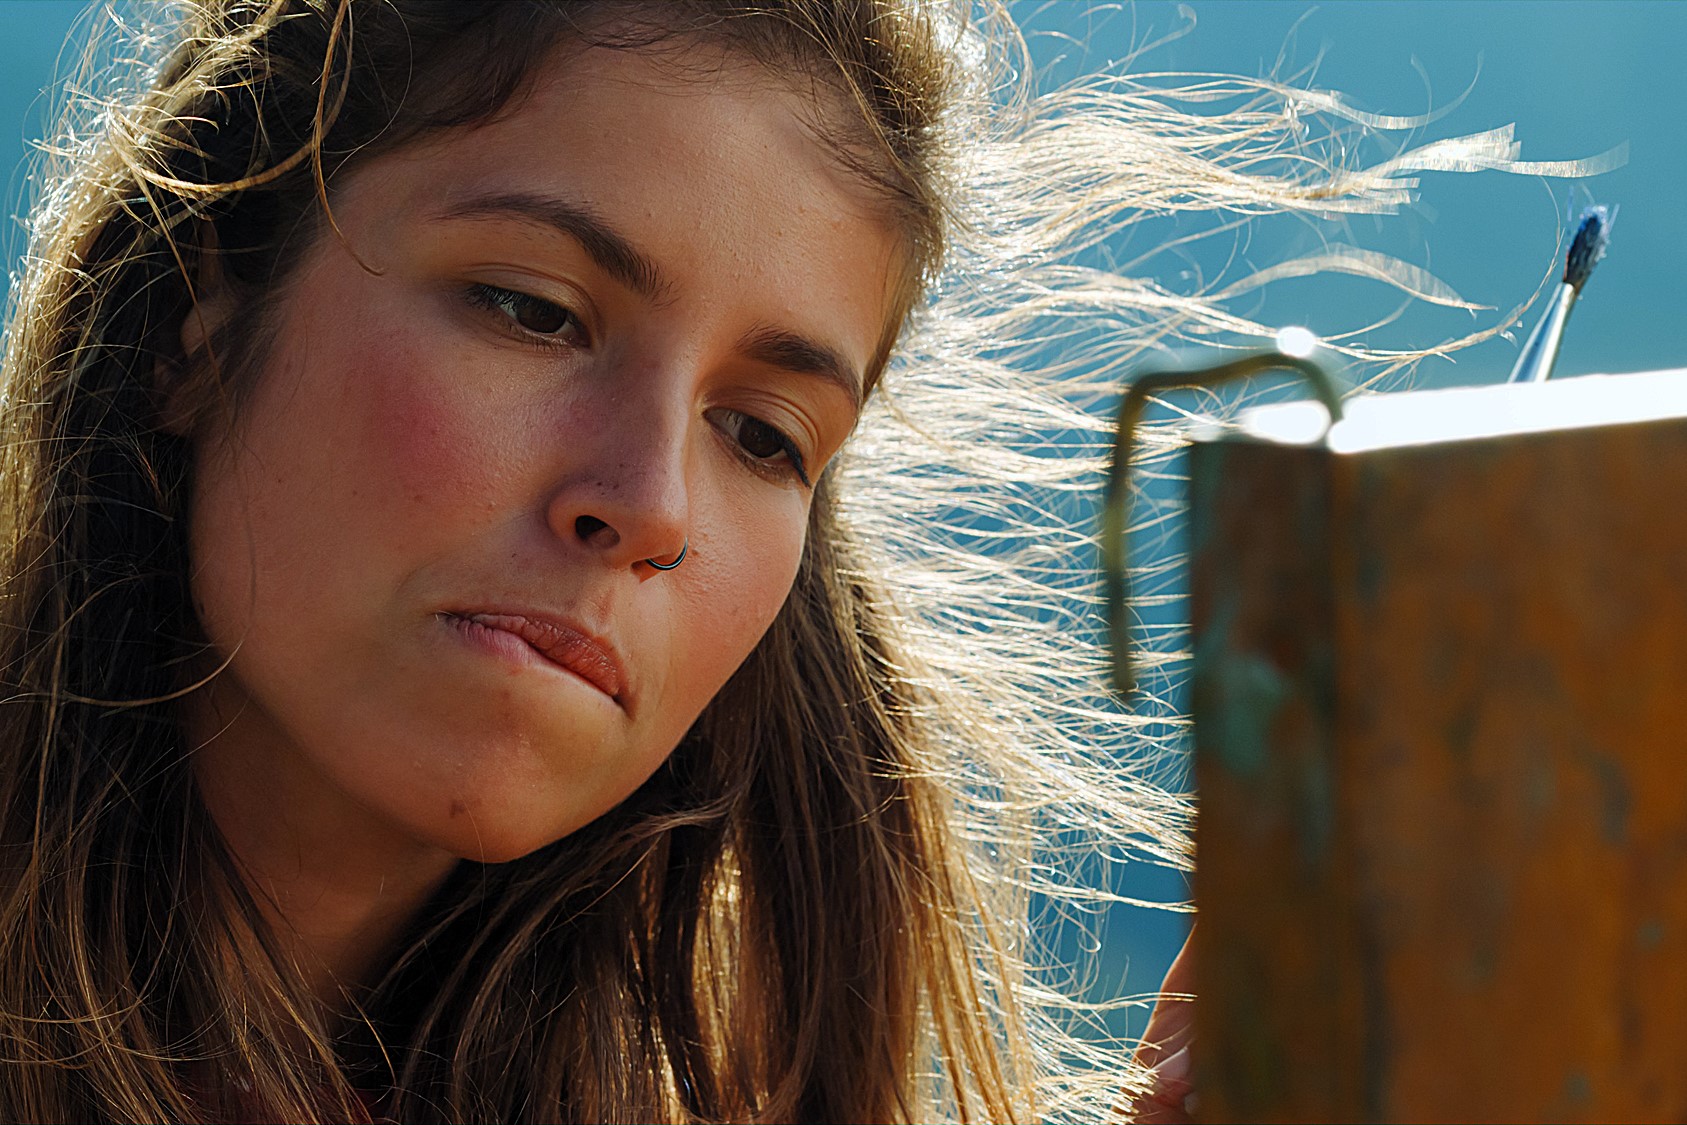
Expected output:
(337, 884)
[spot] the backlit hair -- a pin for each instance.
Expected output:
(818, 908)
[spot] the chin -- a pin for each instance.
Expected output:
(500, 848)
(494, 830)
(509, 802)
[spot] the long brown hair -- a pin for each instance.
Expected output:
(682, 956)
(817, 908)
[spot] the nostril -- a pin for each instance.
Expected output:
(590, 529)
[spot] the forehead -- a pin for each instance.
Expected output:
(706, 146)
(707, 140)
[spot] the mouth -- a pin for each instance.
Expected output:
(556, 642)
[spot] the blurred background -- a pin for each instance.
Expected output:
(1577, 79)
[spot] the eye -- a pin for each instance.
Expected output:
(533, 315)
(765, 445)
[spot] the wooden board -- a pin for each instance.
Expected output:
(1440, 706)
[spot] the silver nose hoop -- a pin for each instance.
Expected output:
(679, 558)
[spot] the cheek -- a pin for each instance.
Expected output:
(425, 437)
(358, 456)
(750, 563)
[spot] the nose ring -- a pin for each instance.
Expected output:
(679, 558)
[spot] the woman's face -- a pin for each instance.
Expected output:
(631, 316)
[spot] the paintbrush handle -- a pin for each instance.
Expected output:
(1540, 353)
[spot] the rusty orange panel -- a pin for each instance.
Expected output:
(1440, 706)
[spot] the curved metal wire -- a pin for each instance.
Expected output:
(1115, 513)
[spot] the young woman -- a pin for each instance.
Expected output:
(498, 623)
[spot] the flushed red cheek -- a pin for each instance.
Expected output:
(426, 439)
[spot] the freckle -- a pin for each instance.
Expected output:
(458, 808)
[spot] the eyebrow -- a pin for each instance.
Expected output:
(791, 352)
(616, 255)
(613, 252)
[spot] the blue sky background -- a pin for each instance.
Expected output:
(1577, 78)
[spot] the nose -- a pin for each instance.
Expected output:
(623, 494)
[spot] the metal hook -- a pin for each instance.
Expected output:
(1115, 512)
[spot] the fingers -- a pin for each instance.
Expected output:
(1172, 1025)
(1181, 976)
(1170, 1101)
(1165, 1049)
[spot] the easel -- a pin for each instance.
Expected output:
(1440, 702)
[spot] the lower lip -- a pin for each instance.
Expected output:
(507, 646)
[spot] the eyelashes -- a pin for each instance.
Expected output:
(764, 447)
(531, 314)
(762, 443)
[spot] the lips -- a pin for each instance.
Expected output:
(561, 644)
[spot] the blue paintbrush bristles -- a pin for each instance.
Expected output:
(1592, 236)
(1540, 352)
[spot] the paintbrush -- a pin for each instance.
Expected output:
(1541, 352)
